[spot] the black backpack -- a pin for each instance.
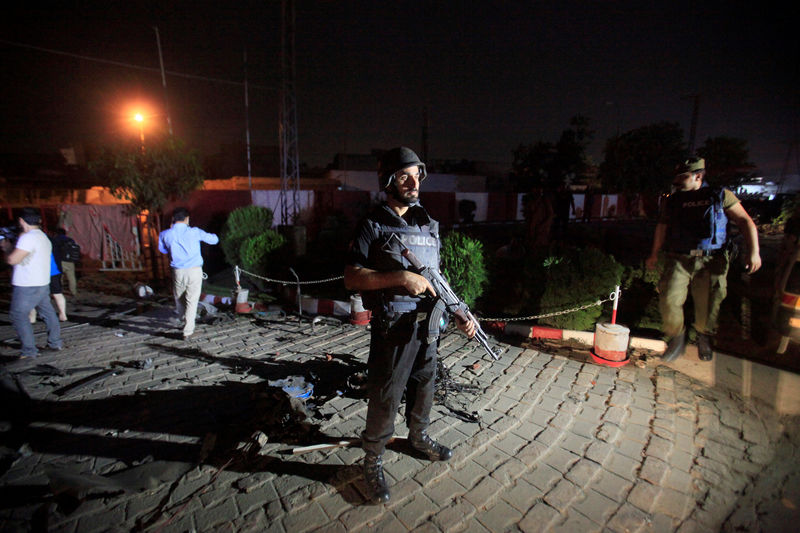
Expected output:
(72, 251)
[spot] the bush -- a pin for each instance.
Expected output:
(257, 253)
(561, 277)
(463, 265)
(242, 224)
(638, 306)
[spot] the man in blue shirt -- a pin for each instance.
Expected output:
(182, 243)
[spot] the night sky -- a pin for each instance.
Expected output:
(492, 75)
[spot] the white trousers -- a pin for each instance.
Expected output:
(187, 285)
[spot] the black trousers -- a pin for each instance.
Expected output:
(400, 360)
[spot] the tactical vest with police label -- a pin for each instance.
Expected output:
(697, 220)
(385, 256)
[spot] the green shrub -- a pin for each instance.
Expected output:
(258, 253)
(463, 265)
(562, 277)
(638, 305)
(242, 224)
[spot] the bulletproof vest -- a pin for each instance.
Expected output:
(385, 256)
(697, 220)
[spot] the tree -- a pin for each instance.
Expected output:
(643, 160)
(549, 165)
(726, 160)
(149, 178)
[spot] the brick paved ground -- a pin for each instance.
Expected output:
(188, 436)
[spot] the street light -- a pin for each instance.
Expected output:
(138, 117)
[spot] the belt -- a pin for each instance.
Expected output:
(401, 307)
(700, 253)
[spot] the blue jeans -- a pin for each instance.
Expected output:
(23, 299)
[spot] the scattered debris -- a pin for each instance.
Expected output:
(86, 381)
(357, 382)
(454, 396)
(142, 291)
(326, 446)
(205, 309)
(294, 386)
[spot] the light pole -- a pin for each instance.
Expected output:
(138, 117)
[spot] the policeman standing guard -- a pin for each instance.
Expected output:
(692, 231)
(400, 357)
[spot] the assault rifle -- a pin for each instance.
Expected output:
(446, 301)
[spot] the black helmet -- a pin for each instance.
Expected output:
(397, 159)
(693, 164)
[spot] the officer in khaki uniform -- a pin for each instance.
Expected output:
(691, 230)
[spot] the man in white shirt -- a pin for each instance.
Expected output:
(31, 283)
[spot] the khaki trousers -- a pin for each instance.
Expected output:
(187, 285)
(707, 277)
(68, 269)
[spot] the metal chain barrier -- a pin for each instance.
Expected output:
(285, 282)
(612, 297)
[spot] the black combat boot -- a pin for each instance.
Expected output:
(421, 442)
(373, 475)
(704, 350)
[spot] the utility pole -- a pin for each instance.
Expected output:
(425, 127)
(695, 113)
(247, 124)
(290, 160)
(163, 81)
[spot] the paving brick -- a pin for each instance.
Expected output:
(492, 458)
(612, 486)
(643, 495)
(542, 476)
(560, 459)
(628, 519)
(444, 489)
(508, 472)
(609, 433)
(562, 495)
(576, 522)
(522, 496)
(583, 472)
(484, 493)
(358, 516)
(431, 473)
(654, 470)
(659, 448)
(453, 516)
(615, 415)
(499, 517)
(404, 467)
(597, 507)
(468, 474)
(415, 511)
(630, 448)
(225, 511)
(540, 518)
(549, 436)
(510, 444)
(387, 522)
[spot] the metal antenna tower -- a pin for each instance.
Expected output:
(695, 113)
(290, 160)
